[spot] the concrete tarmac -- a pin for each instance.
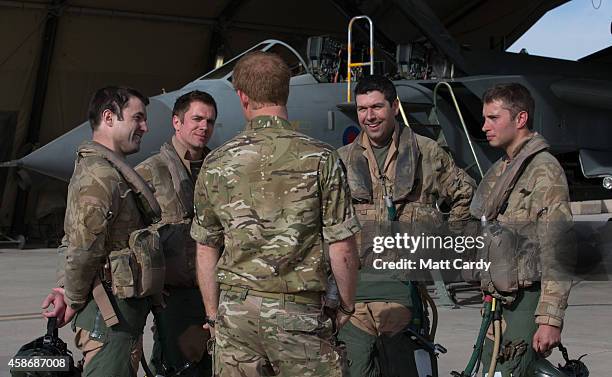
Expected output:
(26, 277)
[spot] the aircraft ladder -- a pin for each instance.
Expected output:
(350, 64)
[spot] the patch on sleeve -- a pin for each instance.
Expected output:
(94, 218)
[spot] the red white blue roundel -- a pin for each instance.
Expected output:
(350, 133)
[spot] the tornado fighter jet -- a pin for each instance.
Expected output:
(439, 83)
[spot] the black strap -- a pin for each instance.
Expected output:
(52, 327)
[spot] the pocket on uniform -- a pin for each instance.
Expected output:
(428, 215)
(122, 272)
(300, 322)
(88, 346)
(224, 296)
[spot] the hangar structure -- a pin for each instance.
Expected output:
(54, 54)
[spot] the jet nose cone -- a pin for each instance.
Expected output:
(56, 159)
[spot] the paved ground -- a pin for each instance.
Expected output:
(27, 275)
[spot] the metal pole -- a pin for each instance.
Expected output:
(349, 63)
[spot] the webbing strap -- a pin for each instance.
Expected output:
(106, 308)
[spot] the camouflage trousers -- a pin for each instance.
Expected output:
(518, 328)
(257, 336)
(114, 351)
(179, 337)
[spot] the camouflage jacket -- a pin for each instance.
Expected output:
(101, 214)
(416, 174)
(537, 205)
(167, 172)
(271, 196)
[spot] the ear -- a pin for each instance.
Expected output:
(107, 118)
(395, 106)
(521, 120)
(244, 99)
(176, 122)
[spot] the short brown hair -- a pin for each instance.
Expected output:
(516, 98)
(113, 98)
(264, 77)
(182, 104)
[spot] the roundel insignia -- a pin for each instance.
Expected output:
(350, 133)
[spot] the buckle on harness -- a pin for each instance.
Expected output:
(244, 294)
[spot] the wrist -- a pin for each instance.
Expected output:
(346, 309)
(211, 319)
(549, 320)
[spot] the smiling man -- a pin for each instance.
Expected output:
(103, 215)
(527, 187)
(179, 335)
(394, 175)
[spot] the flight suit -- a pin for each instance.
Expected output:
(101, 215)
(271, 197)
(416, 173)
(532, 200)
(178, 337)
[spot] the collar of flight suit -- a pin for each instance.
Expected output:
(93, 148)
(498, 183)
(147, 203)
(267, 121)
(182, 180)
(183, 154)
(517, 149)
(400, 164)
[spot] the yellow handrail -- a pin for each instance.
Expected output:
(349, 50)
(467, 135)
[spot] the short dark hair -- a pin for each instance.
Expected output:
(181, 106)
(379, 83)
(264, 77)
(113, 98)
(516, 98)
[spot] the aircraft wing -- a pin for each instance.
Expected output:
(478, 24)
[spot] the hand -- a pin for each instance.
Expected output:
(341, 320)
(546, 338)
(343, 315)
(61, 311)
(210, 328)
(55, 298)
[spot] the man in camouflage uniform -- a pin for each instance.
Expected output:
(526, 188)
(269, 198)
(102, 213)
(179, 335)
(391, 168)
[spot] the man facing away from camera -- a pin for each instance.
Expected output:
(266, 202)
